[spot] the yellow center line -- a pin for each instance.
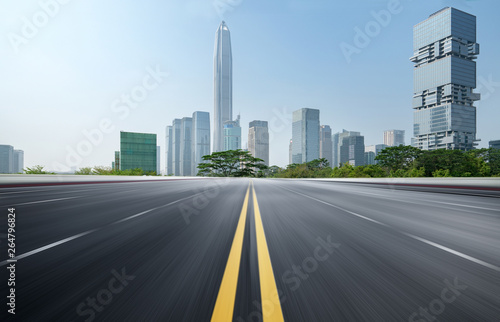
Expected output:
(224, 306)
(271, 307)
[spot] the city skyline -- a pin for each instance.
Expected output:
(276, 107)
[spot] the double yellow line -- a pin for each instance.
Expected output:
(224, 306)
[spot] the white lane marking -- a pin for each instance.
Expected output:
(416, 203)
(452, 251)
(449, 250)
(42, 201)
(41, 249)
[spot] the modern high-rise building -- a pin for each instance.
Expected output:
(232, 135)
(116, 164)
(176, 147)
(325, 144)
(6, 158)
(200, 139)
(223, 84)
(494, 144)
(337, 139)
(158, 164)
(168, 151)
(352, 150)
(373, 151)
(185, 148)
(305, 135)
(394, 137)
(444, 78)
(290, 152)
(18, 161)
(258, 140)
(137, 150)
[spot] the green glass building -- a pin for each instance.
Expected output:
(137, 150)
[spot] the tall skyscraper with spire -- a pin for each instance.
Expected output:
(223, 84)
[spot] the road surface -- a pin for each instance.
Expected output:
(251, 250)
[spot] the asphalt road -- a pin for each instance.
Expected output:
(243, 250)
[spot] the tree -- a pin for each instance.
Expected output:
(84, 171)
(231, 163)
(37, 169)
(398, 157)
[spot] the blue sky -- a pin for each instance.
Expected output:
(68, 75)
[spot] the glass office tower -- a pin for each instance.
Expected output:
(6, 158)
(325, 144)
(444, 78)
(168, 150)
(232, 135)
(258, 140)
(223, 84)
(305, 135)
(200, 139)
(176, 147)
(138, 150)
(185, 148)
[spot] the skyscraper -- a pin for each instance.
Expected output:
(394, 137)
(232, 135)
(373, 151)
(200, 139)
(158, 165)
(494, 144)
(223, 84)
(185, 148)
(6, 158)
(337, 144)
(176, 147)
(138, 150)
(444, 78)
(18, 161)
(258, 140)
(325, 143)
(168, 151)
(352, 150)
(305, 135)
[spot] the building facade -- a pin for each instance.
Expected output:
(305, 135)
(6, 158)
(200, 139)
(352, 150)
(158, 163)
(185, 148)
(168, 151)
(176, 147)
(18, 159)
(325, 144)
(494, 144)
(223, 84)
(337, 144)
(373, 151)
(394, 137)
(258, 140)
(444, 79)
(232, 135)
(137, 150)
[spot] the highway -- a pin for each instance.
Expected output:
(240, 249)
